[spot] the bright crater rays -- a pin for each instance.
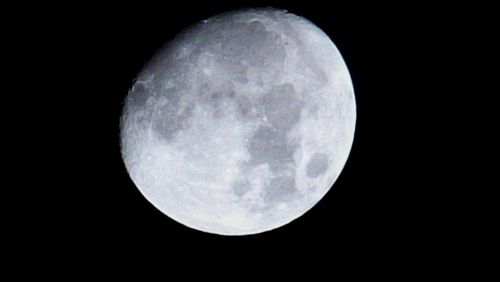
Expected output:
(241, 124)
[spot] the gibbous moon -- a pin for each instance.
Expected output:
(241, 124)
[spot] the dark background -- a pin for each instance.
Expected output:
(382, 205)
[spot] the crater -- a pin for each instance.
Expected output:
(317, 166)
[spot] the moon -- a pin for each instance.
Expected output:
(241, 123)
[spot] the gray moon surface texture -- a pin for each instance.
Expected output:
(241, 124)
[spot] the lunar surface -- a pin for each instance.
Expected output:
(241, 124)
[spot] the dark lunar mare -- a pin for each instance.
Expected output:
(271, 144)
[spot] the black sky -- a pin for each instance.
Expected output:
(380, 204)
